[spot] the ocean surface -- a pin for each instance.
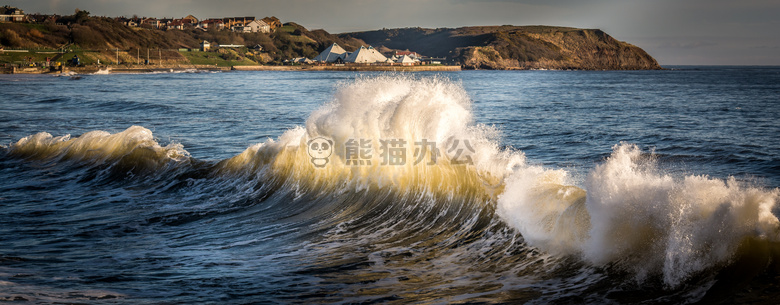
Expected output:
(341, 187)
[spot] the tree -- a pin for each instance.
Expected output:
(81, 16)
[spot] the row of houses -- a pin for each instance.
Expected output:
(248, 24)
(364, 55)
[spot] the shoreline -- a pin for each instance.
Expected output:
(179, 68)
(347, 68)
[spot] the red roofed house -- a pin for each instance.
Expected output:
(176, 24)
(212, 24)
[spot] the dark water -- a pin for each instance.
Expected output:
(656, 186)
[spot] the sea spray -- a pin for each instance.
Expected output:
(652, 222)
(636, 217)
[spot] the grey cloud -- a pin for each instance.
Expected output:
(688, 45)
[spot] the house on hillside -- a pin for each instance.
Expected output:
(11, 14)
(260, 26)
(131, 22)
(40, 18)
(253, 26)
(212, 24)
(190, 20)
(205, 46)
(241, 29)
(175, 25)
(231, 22)
(134, 22)
(163, 23)
(332, 54)
(151, 22)
(273, 22)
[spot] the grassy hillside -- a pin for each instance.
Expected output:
(100, 34)
(515, 47)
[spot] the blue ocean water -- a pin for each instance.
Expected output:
(191, 187)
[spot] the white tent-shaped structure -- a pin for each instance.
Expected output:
(405, 60)
(331, 54)
(365, 56)
(302, 60)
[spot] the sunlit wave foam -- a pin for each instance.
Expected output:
(384, 108)
(133, 149)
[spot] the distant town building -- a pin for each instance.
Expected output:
(11, 14)
(301, 60)
(332, 54)
(259, 26)
(253, 26)
(131, 22)
(205, 46)
(365, 56)
(41, 18)
(231, 46)
(405, 60)
(272, 22)
(190, 20)
(163, 23)
(151, 22)
(212, 24)
(175, 25)
(411, 54)
(231, 22)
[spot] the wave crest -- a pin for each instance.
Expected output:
(132, 149)
(384, 108)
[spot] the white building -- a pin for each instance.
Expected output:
(258, 25)
(365, 56)
(332, 54)
(253, 26)
(301, 60)
(11, 14)
(405, 60)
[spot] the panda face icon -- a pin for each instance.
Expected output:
(319, 150)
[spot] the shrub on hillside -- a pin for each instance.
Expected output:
(9, 38)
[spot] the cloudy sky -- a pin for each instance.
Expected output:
(675, 32)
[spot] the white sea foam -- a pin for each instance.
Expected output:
(640, 218)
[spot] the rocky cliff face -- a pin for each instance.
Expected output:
(512, 47)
